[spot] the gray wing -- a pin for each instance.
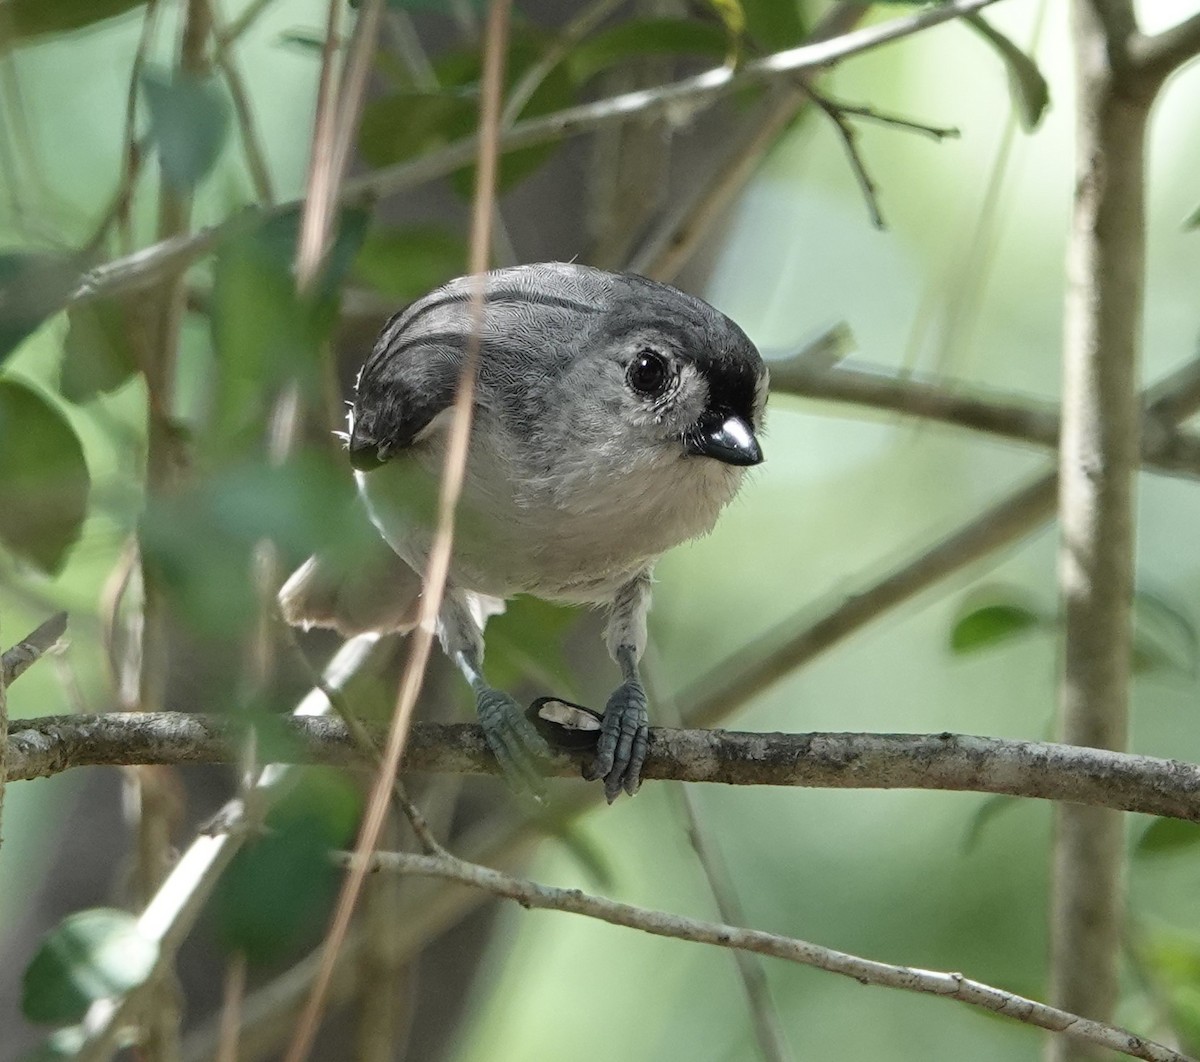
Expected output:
(535, 319)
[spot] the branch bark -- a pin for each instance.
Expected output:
(533, 895)
(40, 748)
(1098, 460)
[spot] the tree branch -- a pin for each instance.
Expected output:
(1164, 447)
(145, 266)
(17, 660)
(1161, 55)
(533, 895)
(39, 748)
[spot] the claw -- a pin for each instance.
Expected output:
(621, 750)
(513, 740)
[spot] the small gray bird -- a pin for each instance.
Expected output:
(614, 418)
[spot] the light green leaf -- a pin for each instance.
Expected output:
(1028, 88)
(43, 478)
(33, 286)
(1166, 835)
(89, 955)
(999, 620)
(96, 354)
(189, 120)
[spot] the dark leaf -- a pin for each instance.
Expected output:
(1167, 835)
(43, 478)
(1192, 221)
(96, 354)
(276, 894)
(89, 955)
(189, 120)
(650, 36)
(983, 626)
(1026, 85)
(774, 24)
(33, 286)
(406, 263)
(33, 18)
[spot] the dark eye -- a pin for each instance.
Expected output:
(647, 373)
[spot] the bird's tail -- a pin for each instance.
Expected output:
(377, 594)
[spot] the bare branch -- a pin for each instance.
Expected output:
(145, 266)
(1161, 55)
(17, 660)
(531, 894)
(39, 748)
(1098, 460)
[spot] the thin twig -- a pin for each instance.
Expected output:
(17, 660)
(144, 266)
(532, 895)
(437, 568)
(256, 158)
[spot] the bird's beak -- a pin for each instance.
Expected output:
(727, 438)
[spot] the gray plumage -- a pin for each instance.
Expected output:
(601, 402)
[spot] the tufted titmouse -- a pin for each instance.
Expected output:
(614, 418)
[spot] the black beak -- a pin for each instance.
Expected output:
(726, 437)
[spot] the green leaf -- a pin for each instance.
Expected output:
(1164, 638)
(774, 24)
(1192, 221)
(43, 478)
(984, 626)
(264, 333)
(96, 354)
(406, 263)
(649, 36)
(34, 18)
(199, 541)
(89, 955)
(189, 120)
(1166, 835)
(276, 894)
(33, 286)
(1028, 88)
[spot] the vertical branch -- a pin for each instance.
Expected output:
(158, 339)
(1098, 462)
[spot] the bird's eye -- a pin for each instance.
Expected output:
(647, 373)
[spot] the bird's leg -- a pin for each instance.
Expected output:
(512, 738)
(624, 732)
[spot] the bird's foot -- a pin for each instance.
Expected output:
(513, 740)
(621, 750)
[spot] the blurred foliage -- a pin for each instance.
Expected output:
(276, 895)
(91, 955)
(189, 121)
(43, 477)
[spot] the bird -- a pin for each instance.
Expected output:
(614, 418)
